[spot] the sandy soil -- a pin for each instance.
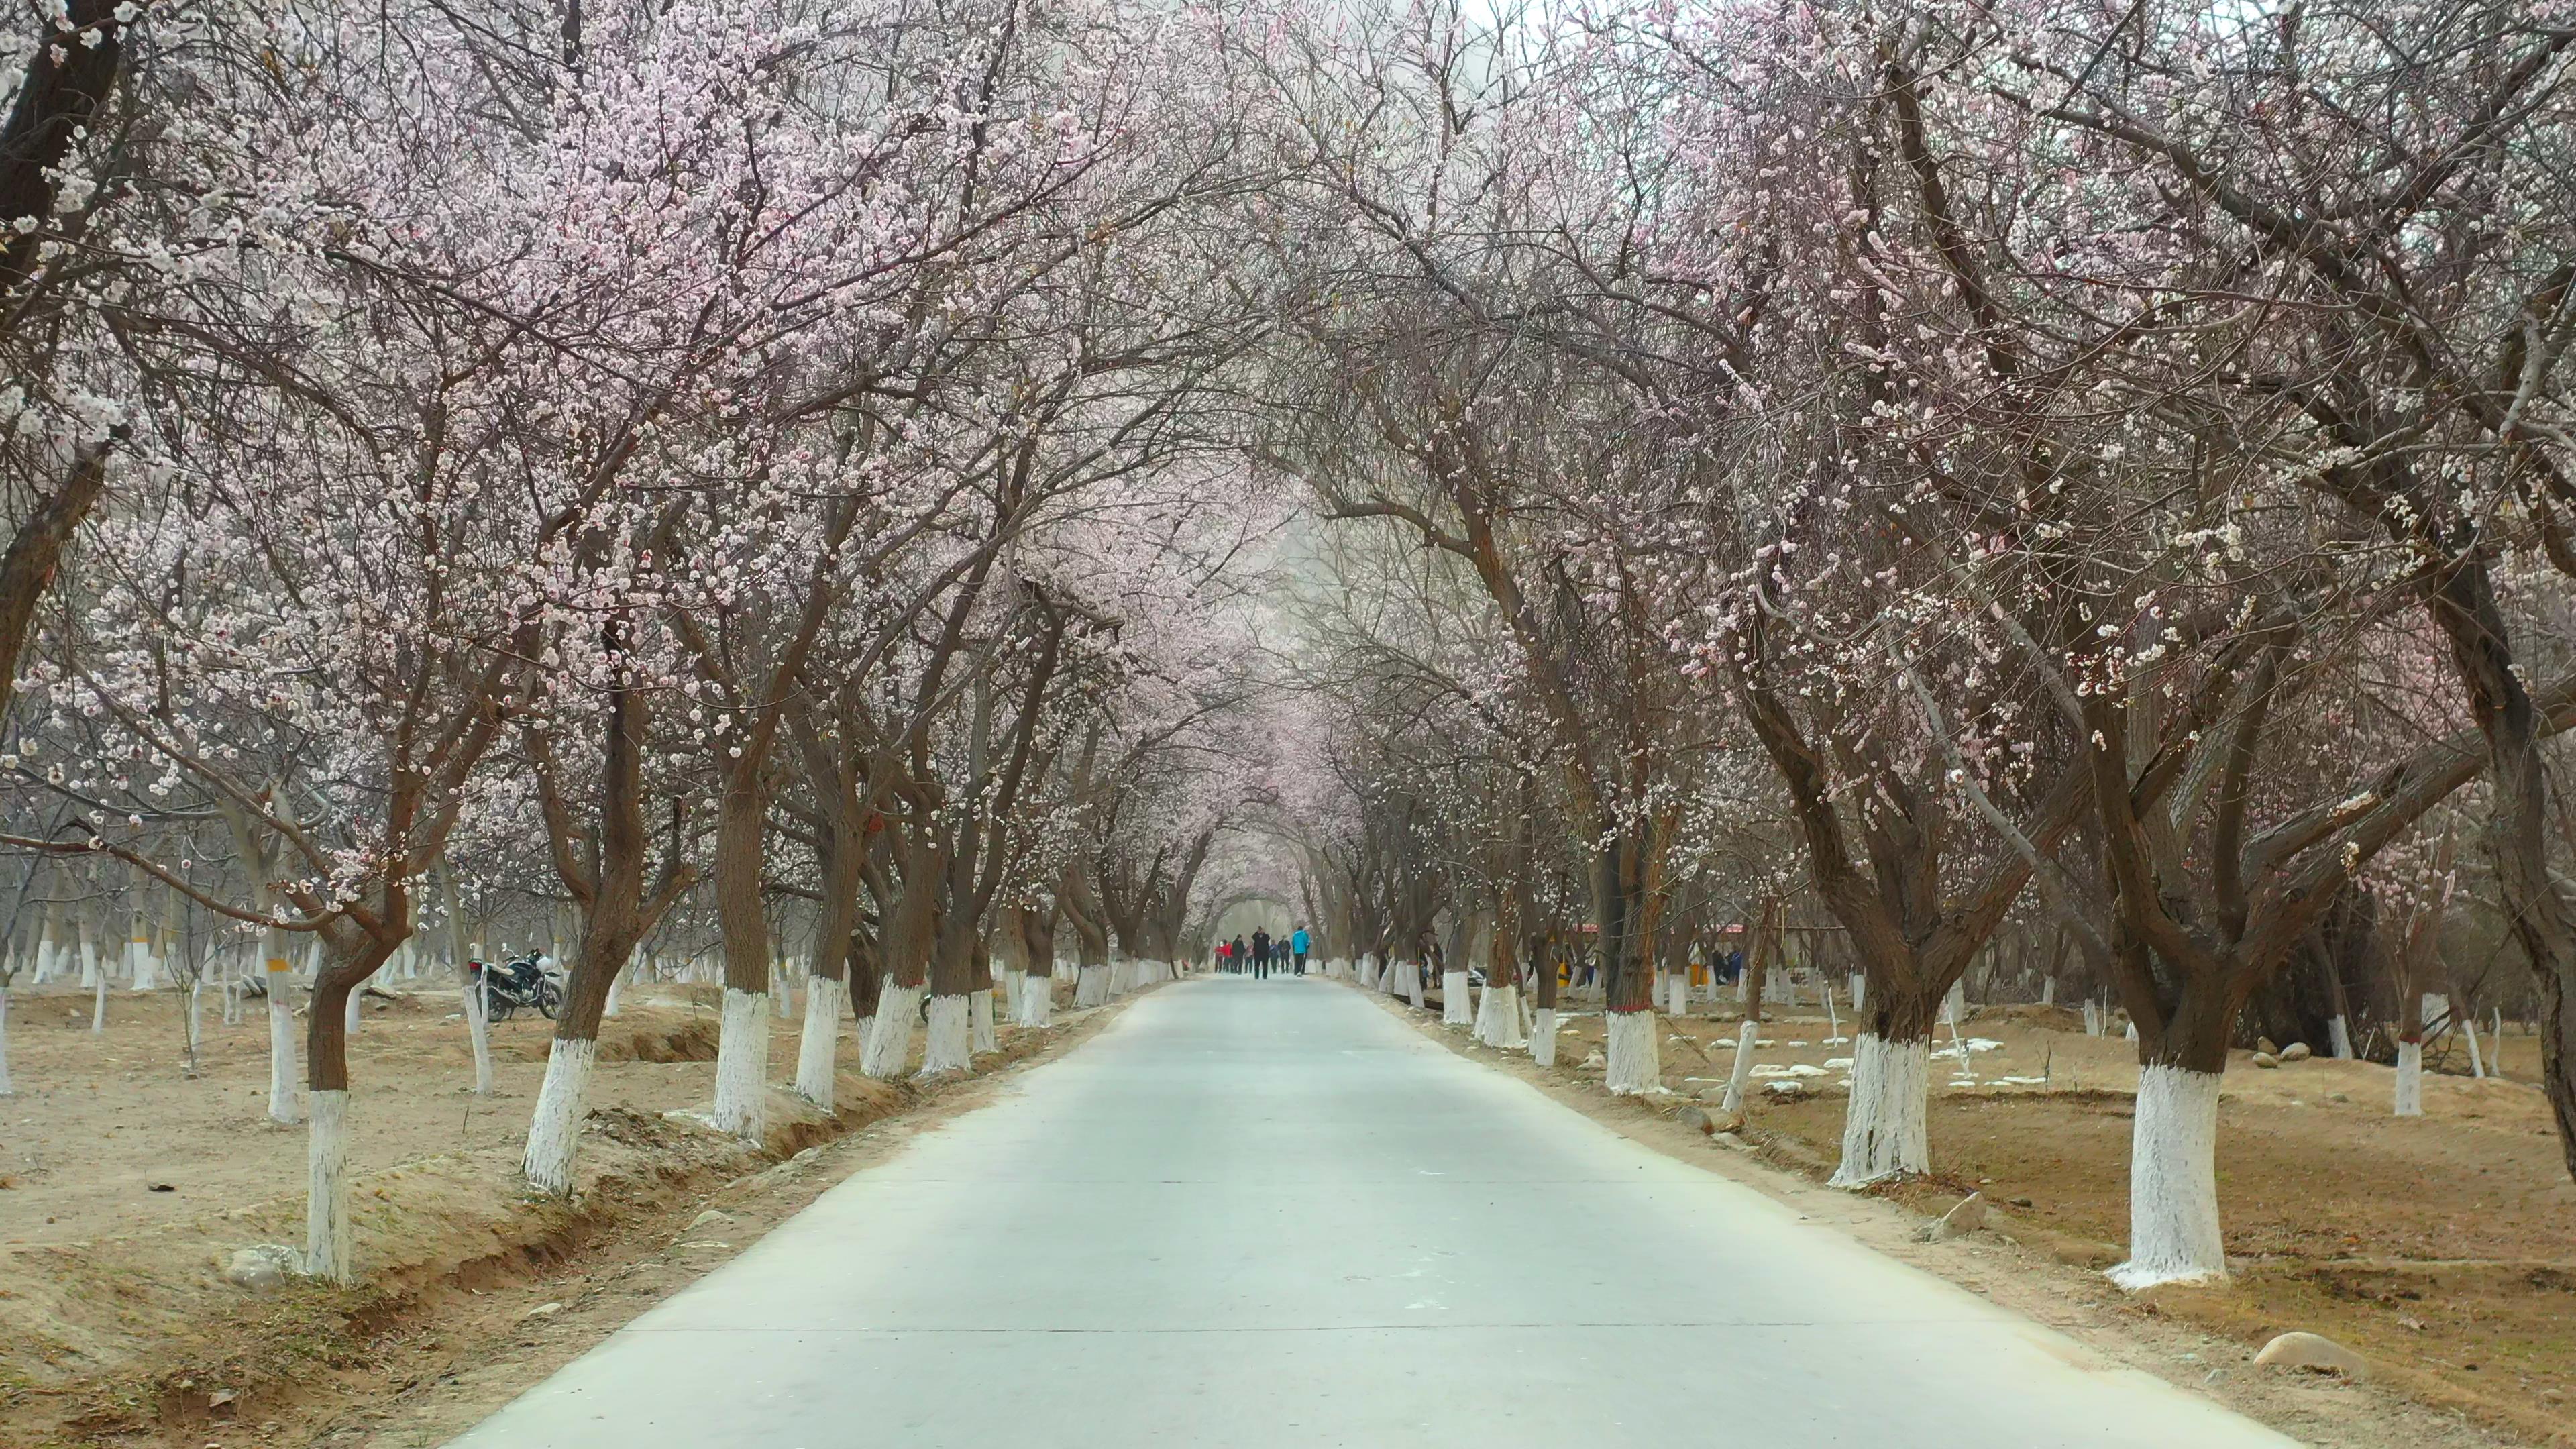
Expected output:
(2443, 1247)
(126, 1184)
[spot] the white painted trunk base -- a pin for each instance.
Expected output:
(1091, 988)
(1743, 1069)
(742, 1064)
(979, 1024)
(2173, 1182)
(616, 985)
(1455, 1007)
(349, 1016)
(1677, 995)
(1542, 1042)
(554, 1133)
(5, 1088)
(329, 1239)
(1636, 1064)
(1037, 1000)
(2410, 1079)
(282, 1104)
(1498, 1018)
(1883, 1127)
(818, 1050)
(478, 1035)
(2340, 1034)
(1013, 983)
(889, 1046)
(946, 1043)
(98, 1005)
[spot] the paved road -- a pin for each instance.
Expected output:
(1264, 1213)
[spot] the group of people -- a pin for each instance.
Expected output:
(1234, 958)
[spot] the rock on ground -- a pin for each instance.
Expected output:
(265, 1266)
(2312, 1351)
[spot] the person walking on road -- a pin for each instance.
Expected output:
(1297, 945)
(1242, 955)
(1261, 955)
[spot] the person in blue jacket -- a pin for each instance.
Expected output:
(1297, 945)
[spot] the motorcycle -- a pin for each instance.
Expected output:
(520, 981)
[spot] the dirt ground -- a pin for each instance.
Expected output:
(2443, 1248)
(126, 1185)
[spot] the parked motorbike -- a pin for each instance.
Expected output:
(517, 982)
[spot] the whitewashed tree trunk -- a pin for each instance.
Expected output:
(196, 1016)
(1456, 1004)
(329, 1236)
(1013, 983)
(1883, 1126)
(1859, 992)
(478, 1035)
(2477, 1059)
(817, 1074)
(2410, 1079)
(2339, 1034)
(349, 1018)
(1743, 1068)
(2048, 992)
(1498, 1018)
(1636, 1063)
(554, 1133)
(6, 1089)
(742, 1064)
(283, 1106)
(98, 1005)
(979, 1024)
(1415, 987)
(1677, 988)
(1036, 1005)
(2173, 1182)
(890, 1043)
(1092, 987)
(1543, 1037)
(142, 968)
(946, 1044)
(617, 987)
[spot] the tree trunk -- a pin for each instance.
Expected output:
(352, 956)
(2538, 912)
(908, 941)
(948, 1046)
(742, 1036)
(1498, 1015)
(2173, 1145)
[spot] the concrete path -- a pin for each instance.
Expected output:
(1264, 1213)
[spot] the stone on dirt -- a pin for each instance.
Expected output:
(263, 1267)
(2296, 1051)
(2312, 1351)
(2266, 1059)
(1958, 1222)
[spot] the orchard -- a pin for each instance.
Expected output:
(876, 536)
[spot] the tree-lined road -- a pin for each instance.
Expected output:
(1256, 1214)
